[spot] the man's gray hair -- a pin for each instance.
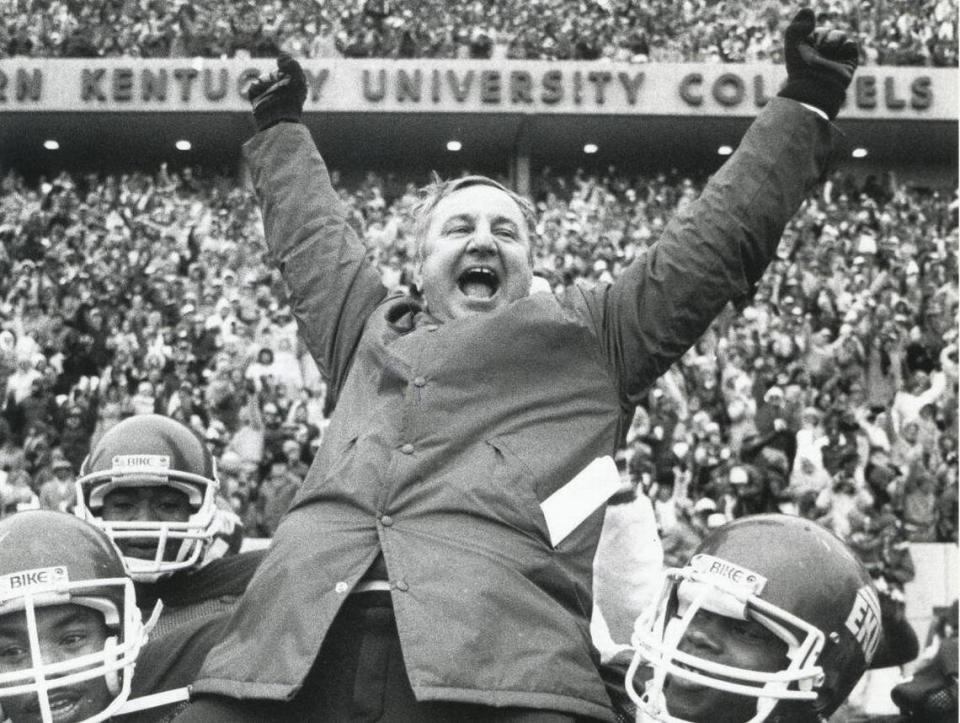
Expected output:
(438, 189)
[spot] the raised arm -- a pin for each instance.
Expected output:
(332, 288)
(717, 248)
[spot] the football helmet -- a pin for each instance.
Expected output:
(795, 578)
(53, 558)
(150, 450)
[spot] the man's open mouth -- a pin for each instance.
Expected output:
(479, 282)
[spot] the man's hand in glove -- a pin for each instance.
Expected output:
(279, 96)
(820, 63)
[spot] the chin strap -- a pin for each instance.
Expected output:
(113, 676)
(156, 700)
(154, 617)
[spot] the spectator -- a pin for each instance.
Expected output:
(114, 406)
(919, 504)
(59, 493)
(274, 434)
(144, 401)
(12, 456)
(922, 390)
(947, 506)
(773, 422)
(15, 492)
(837, 503)
(38, 408)
(75, 436)
(248, 439)
(907, 448)
(275, 495)
(293, 455)
(897, 33)
(262, 372)
(23, 381)
(808, 477)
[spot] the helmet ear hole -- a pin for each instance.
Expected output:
(111, 651)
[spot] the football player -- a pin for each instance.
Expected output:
(70, 629)
(772, 619)
(151, 484)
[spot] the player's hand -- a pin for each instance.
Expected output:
(279, 96)
(820, 63)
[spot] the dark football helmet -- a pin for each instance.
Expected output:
(150, 450)
(53, 558)
(795, 578)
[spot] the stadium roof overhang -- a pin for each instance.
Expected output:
(120, 141)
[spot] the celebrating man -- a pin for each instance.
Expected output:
(436, 564)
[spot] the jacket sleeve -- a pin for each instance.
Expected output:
(713, 251)
(332, 287)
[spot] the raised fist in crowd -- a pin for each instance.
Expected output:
(279, 96)
(820, 63)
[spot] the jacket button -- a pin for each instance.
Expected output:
(407, 448)
(386, 520)
(402, 586)
(420, 381)
(340, 587)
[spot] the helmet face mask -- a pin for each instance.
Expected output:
(70, 633)
(741, 634)
(172, 545)
(688, 595)
(143, 456)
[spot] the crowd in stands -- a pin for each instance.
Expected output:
(830, 392)
(891, 32)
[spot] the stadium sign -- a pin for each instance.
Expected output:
(412, 86)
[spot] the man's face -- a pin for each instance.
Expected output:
(737, 643)
(278, 472)
(63, 474)
(271, 418)
(476, 254)
(145, 504)
(65, 632)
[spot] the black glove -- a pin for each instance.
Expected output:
(820, 63)
(279, 96)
